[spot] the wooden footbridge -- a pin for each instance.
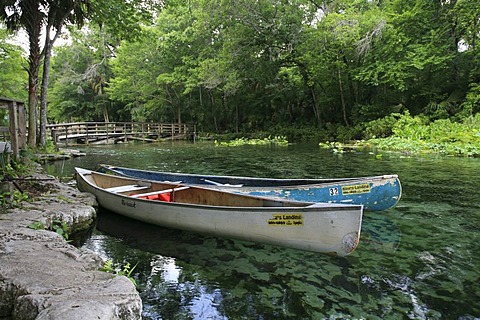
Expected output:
(115, 132)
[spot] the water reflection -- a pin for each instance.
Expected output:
(167, 289)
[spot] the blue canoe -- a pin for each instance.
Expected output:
(374, 193)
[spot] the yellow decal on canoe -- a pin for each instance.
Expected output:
(356, 188)
(286, 219)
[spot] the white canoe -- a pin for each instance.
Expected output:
(319, 227)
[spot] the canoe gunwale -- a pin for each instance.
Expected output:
(278, 181)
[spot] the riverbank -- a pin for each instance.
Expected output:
(42, 276)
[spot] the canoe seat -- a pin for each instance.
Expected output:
(162, 195)
(130, 187)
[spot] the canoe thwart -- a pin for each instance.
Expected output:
(154, 193)
(127, 188)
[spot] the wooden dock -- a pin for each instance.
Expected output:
(116, 132)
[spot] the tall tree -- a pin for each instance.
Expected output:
(84, 65)
(59, 12)
(74, 68)
(28, 15)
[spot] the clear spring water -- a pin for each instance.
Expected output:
(419, 260)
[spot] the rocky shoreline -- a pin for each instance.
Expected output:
(42, 276)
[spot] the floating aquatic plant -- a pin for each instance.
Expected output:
(277, 140)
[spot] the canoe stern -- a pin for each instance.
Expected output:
(350, 242)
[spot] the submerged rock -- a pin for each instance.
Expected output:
(64, 154)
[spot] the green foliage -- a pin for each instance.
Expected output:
(123, 19)
(118, 270)
(37, 225)
(48, 148)
(300, 132)
(80, 72)
(415, 134)
(343, 133)
(13, 199)
(402, 132)
(58, 226)
(7, 170)
(61, 228)
(14, 169)
(13, 78)
(409, 127)
(471, 105)
(381, 128)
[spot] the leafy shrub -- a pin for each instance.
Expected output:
(60, 227)
(471, 105)
(411, 127)
(349, 133)
(414, 134)
(381, 128)
(402, 132)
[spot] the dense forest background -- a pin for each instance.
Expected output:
(280, 66)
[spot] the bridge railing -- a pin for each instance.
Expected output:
(16, 131)
(87, 131)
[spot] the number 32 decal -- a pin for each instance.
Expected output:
(334, 191)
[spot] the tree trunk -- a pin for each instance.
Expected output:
(106, 117)
(237, 117)
(33, 70)
(47, 54)
(179, 114)
(212, 108)
(178, 107)
(315, 105)
(45, 78)
(342, 97)
(311, 91)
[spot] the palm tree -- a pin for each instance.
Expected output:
(34, 16)
(27, 15)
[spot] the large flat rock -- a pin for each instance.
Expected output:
(44, 277)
